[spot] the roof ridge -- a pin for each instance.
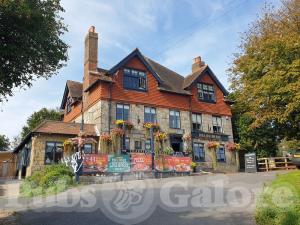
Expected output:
(163, 66)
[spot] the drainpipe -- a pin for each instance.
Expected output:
(109, 106)
(191, 124)
(82, 117)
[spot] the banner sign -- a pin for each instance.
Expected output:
(172, 163)
(141, 162)
(182, 164)
(118, 164)
(93, 163)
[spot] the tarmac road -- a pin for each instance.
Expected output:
(207, 199)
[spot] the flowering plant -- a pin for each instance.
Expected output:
(117, 132)
(160, 136)
(128, 125)
(105, 137)
(120, 123)
(149, 125)
(187, 138)
(233, 146)
(193, 164)
(213, 145)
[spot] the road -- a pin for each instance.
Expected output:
(206, 199)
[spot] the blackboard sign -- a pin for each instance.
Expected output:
(250, 163)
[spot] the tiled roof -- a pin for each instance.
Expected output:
(172, 81)
(192, 77)
(75, 88)
(59, 127)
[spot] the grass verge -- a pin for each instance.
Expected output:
(279, 204)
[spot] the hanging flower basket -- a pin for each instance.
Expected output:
(105, 137)
(233, 147)
(117, 132)
(149, 125)
(213, 145)
(124, 123)
(160, 136)
(187, 138)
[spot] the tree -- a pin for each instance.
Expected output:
(30, 43)
(265, 78)
(4, 143)
(37, 118)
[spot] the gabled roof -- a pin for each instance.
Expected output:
(167, 79)
(192, 78)
(135, 53)
(75, 90)
(60, 128)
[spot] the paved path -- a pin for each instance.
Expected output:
(206, 199)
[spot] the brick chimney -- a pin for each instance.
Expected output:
(197, 64)
(90, 56)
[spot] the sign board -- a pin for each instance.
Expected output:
(250, 163)
(94, 163)
(141, 162)
(118, 164)
(172, 163)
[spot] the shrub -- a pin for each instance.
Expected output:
(53, 179)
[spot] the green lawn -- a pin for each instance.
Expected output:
(279, 204)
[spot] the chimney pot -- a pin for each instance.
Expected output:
(197, 59)
(92, 29)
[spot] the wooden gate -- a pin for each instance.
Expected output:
(7, 170)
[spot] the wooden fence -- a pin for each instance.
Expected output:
(7, 170)
(274, 163)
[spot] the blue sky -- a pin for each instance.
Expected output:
(172, 32)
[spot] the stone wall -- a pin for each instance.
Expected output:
(99, 114)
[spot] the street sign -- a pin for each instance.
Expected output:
(250, 163)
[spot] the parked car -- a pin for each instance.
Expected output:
(296, 158)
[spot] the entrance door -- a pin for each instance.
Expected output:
(176, 142)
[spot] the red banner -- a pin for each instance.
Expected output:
(141, 162)
(93, 163)
(172, 163)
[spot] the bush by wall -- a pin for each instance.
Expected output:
(55, 178)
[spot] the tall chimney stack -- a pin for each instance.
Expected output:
(90, 62)
(90, 56)
(197, 64)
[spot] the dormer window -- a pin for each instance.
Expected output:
(69, 105)
(135, 80)
(206, 92)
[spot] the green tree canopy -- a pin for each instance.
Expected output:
(4, 143)
(30, 43)
(38, 117)
(265, 76)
